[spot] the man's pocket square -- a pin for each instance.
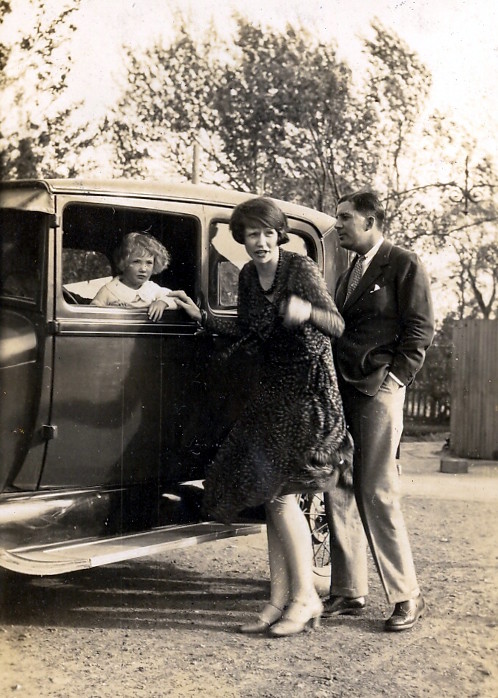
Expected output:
(375, 288)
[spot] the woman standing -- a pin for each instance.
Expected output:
(291, 436)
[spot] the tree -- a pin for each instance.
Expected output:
(457, 214)
(40, 137)
(271, 112)
(395, 91)
(275, 111)
(282, 110)
(474, 269)
(165, 107)
(5, 9)
(440, 190)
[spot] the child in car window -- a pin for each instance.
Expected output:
(137, 258)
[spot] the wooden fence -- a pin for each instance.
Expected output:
(474, 390)
(421, 405)
(428, 399)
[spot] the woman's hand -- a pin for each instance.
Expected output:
(296, 312)
(188, 305)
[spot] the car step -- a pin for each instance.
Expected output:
(83, 554)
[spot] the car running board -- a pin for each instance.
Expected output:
(83, 554)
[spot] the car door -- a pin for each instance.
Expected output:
(123, 386)
(23, 241)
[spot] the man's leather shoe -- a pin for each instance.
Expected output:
(343, 606)
(406, 614)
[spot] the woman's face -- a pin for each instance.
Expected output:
(261, 244)
(138, 270)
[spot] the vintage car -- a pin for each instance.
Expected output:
(107, 418)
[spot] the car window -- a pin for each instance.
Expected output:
(21, 235)
(92, 233)
(227, 257)
(84, 272)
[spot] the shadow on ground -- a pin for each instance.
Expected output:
(139, 594)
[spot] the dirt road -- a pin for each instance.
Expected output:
(165, 626)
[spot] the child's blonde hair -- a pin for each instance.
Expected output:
(142, 244)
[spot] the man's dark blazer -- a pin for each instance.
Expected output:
(389, 320)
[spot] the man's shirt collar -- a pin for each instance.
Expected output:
(372, 252)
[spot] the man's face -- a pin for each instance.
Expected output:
(354, 229)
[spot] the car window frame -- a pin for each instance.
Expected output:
(77, 318)
(299, 227)
(37, 302)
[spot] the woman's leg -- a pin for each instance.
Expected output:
(280, 591)
(279, 583)
(294, 537)
(289, 543)
(291, 572)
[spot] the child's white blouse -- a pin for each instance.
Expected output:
(115, 292)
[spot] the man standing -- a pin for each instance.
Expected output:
(385, 300)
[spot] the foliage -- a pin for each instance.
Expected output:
(163, 107)
(275, 112)
(475, 270)
(281, 116)
(435, 375)
(5, 9)
(397, 88)
(42, 140)
(460, 220)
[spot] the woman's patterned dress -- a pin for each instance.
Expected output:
(291, 435)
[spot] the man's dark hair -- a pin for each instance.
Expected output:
(366, 203)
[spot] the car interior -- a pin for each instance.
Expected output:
(91, 234)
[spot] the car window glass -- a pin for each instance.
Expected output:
(84, 272)
(20, 254)
(92, 233)
(227, 257)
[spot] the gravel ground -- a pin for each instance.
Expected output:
(166, 626)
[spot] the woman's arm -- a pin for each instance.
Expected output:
(329, 322)
(183, 301)
(298, 311)
(310, 301)
(232, 327)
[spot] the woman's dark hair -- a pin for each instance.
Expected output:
(259, 212)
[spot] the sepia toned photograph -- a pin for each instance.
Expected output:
(248, 348)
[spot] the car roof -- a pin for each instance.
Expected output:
(156, 189)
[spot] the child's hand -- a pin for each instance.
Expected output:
(185, 302)
(296, 311)
(156, 310)
(118, 304)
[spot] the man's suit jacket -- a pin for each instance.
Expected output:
(389, 320)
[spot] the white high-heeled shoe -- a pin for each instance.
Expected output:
(299, 616)
(268, 616)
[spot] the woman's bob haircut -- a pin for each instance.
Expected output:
(259, 212)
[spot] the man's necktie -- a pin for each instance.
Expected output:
(355, 276)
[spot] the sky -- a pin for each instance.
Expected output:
(457, 39)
